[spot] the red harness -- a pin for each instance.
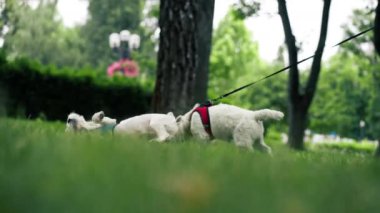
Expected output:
(205, 117)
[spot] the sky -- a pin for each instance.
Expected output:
(305, 16)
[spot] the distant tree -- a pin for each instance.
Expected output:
(361, 20)
(43, 39)
(178, 55)
(377, 34)
(363, 63)
(246, 8)
(8, 8)
(234, 57)
(343, 96)
(375, 115)
(300, 98)
(376, 101)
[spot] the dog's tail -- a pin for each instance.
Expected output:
(266, 114)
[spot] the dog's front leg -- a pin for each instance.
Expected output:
(197, 128)
(161, 134)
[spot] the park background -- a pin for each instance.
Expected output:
(53, 61)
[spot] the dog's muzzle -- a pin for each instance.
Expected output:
(71, 124)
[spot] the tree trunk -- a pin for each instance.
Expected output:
(299, 102)
(177, 56)
(298, 121)
(204, 28)
(377, 153)
(376, 30)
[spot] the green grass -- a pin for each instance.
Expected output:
(43, 169)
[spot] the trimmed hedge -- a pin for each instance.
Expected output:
(33, 91)
(365, 147)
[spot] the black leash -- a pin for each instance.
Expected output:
(212, 101)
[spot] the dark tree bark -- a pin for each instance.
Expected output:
(177, 58)
(376, 41)
(376, 30)
(183, 54)
(300, 99)
(377, 153)
(204, 29)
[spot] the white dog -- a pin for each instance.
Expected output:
(228, 122)
(76, 122)
(160, 127)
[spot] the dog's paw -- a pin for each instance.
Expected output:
(157, 140)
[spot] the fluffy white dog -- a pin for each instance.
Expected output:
(228, 122)
(76, 122)
(160, 127)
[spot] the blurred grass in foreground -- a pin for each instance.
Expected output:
(42, 169)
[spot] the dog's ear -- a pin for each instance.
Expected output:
(101, 115)
(178, 119)
(196, 106)
(98, 117)
(170, 114)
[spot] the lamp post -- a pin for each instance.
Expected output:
(362, 125)
(122, 44)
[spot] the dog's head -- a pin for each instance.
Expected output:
(183, 121)
(76, 122)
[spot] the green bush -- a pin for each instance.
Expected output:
(345, 147)
(33, 90)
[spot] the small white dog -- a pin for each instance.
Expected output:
(76, 122)
(228, 122)
(161, 127)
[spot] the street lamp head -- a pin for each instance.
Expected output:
(134, 41)
(125, 35)
(114, 40)
(362, 123)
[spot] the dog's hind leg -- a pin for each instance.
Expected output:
(258, 137)
(262, 146)
(242, 136)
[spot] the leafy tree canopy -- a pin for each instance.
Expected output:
(44, 38)
(233, 56)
